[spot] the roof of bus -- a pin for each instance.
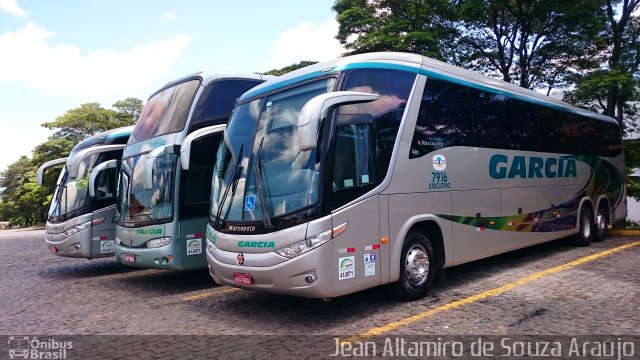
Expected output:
(421, 65)
(208, 76)
(105, 137)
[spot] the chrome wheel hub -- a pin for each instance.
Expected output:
(417, 265)
(586, 227)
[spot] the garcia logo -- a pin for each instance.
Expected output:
(501, 166)
(257, 244)
(24, 347)
(157, 231)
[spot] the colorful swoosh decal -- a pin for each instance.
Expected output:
(605, 179)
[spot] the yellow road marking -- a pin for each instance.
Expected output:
(210, 294)
(489, 293)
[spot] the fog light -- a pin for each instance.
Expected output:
(169, 258)
(76, 246)
(310, 278)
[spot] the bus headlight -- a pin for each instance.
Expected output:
(305, 245)
(77, 228)
(159, 242)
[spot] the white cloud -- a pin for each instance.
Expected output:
(12, 8)
(307, 41)
(15, 142)
(32, 59)
(169, 15)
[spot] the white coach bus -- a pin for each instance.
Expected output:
(80, 218)
(165, 178)
(388, 167)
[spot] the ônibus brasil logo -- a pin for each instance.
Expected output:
(24, 347)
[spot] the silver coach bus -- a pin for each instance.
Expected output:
(165, 178)
(80, 218)
(388, 167)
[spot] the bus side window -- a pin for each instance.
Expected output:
(444, 119)
(365, 133)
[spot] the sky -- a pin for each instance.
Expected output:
(57, 55)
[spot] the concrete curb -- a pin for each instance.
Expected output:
(624, 232)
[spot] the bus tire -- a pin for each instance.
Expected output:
(417, 267)
(601, 223)
(585, 228)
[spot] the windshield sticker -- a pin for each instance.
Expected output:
(106, 246)
(194, 246)
(249, 203)
(346, 267)
(369, 264)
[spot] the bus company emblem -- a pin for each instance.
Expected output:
(240, 259)
(503, 166)
(257, 244)
(149, 231)
(439, 162)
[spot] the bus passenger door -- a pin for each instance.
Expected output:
(195, 192)
(357, 248)
(104, 210)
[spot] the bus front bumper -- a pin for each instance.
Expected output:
(306, 275)
(77, 245)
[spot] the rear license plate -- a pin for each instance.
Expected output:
(129, 258)
(243, 279)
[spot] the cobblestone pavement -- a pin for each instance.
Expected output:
(46, 294)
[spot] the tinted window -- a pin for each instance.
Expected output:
(444, 119)
(491, 122)
(217, 101)
(366, 132)
(526, 131)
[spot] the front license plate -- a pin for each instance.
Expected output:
(243, 279)
(129, 258)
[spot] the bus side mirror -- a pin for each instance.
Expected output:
(310, 114)
(185, 148)
(45, 166)
(151, 160)
(96, 171)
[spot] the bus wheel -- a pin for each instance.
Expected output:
(585, 231)
(601, 223)
(417, 267)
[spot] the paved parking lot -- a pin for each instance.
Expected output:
(550, 289)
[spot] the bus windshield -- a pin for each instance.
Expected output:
(71, 193)
(165, 112)
(137, 204)
(260, 166)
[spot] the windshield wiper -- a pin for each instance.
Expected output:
(265, 207)
(235, 176)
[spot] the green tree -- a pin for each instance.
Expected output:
(23, 200)
(533, 43)
(128, 109)
(612, 88)
(416, 26)
(91, 118)
(286, 69)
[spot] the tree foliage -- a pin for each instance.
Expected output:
(24, 202)
(612, 88)
(533, 43)
(290, 68)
